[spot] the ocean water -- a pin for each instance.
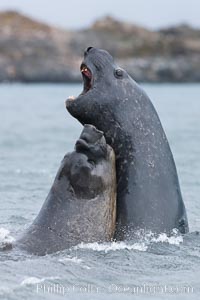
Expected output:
(35, 133)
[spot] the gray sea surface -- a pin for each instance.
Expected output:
(36, 132)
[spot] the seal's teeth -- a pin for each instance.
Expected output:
(84, 70)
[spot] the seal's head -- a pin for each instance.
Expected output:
(103, 83)
(91, 156)
(92, 143)
(81, 205)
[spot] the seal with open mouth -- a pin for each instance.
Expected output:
(148, 192)
(81, 205)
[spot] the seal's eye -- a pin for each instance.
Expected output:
(118, 73)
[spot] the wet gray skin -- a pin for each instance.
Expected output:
(148, 192)
(81, 205)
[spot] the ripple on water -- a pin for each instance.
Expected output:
(33, 142)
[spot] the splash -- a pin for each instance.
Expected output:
(114, 246)
(5, 237)
(35, 280)
(149, 237)
(172, 240)
(144, 239)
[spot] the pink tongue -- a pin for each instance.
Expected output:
(88, 74)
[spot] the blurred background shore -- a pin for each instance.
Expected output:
(33, 51)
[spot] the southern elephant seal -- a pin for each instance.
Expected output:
(81, 205)
(148, 191)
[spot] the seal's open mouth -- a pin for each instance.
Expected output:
(87, 81)
(87, 78)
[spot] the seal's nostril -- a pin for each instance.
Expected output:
(87, 50)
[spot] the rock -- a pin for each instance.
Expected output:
(163, 69)
(31, 51)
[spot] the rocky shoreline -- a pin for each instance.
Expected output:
(31, 51)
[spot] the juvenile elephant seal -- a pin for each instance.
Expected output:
(81, 205)
(148, 192)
